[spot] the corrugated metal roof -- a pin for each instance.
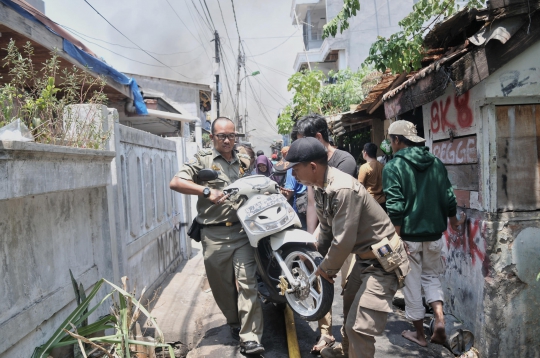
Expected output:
(451, 32)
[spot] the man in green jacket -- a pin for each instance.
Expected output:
(419, 199)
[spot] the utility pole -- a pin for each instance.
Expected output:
(240, 63)
(245, 123)
(216, 71)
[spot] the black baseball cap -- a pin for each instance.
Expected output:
(302, 150)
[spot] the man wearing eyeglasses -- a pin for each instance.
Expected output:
(228, 256)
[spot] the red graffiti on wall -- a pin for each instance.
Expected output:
(464, 112)
(470, 241)
(439, 114)
(441, 119)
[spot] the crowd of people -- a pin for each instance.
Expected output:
(357, 215)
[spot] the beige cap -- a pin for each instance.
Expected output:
(406, 129)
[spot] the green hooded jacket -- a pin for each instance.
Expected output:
(419, 196)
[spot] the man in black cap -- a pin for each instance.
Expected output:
(353, 221)
(315, 125)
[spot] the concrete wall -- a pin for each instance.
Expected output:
(187, 94)
(48, 226)
(101, 214)
(490, 281)
(149, 226)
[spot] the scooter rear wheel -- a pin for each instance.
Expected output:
(314, 300)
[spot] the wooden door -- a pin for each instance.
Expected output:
(518, 153)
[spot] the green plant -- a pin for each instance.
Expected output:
(311, 95)
(341, 21)
(285, 121)
(34, 96)
(125, 312)
(306, 86)
(404, 50)
(345, 90)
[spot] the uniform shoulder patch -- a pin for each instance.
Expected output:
(204, 152)
(192, 161)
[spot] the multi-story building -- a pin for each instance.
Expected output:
(349, 49)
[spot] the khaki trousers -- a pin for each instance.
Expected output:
(325, 323)
(228, 257)
(367, 300)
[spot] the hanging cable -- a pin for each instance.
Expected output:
(84, 36)
(209, 15)
(263, 53)
(183, 23)
(121, 33)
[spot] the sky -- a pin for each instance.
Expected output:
(178, 34)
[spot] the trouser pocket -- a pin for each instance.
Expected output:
(434, 256)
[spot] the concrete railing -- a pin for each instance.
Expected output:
(101, 213)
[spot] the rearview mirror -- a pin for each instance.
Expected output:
(207, 175)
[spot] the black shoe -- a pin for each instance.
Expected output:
(251, 347)
(235, 333)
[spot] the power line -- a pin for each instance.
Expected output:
(183, 23)
(227, 77)
(84, 36)
(283, 102)
(236, 22)
(121, 33)
(279, 101)
(273, 69)
(264, 37)
(137, 61)
(261, 111)
(127, 58)
(253, 97)
(288, 38)
(270, 84)
(197, 9)
(198, 34)
(131, 59)
(209, 15)
(223, 19)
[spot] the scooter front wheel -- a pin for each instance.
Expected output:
(313, 298)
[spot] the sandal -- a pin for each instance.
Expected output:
(323, 342)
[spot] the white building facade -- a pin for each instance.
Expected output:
(349, 49)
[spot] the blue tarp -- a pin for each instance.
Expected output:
(104, 69)
(87, 60)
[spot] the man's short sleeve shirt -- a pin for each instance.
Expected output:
(229, 172)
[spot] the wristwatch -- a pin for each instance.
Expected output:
(206, 192)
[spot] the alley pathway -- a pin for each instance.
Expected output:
(186, 312)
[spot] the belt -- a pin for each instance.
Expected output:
(226, 223)
(370, 255)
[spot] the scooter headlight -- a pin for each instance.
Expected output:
(265, 225)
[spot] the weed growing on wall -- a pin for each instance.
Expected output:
(40, 95)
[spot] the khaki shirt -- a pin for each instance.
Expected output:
(228, 172)
(370, 175)
(349, 217)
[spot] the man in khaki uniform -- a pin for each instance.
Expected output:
(353, 221)
(228, 256)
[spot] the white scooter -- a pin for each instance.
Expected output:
(286, 257)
